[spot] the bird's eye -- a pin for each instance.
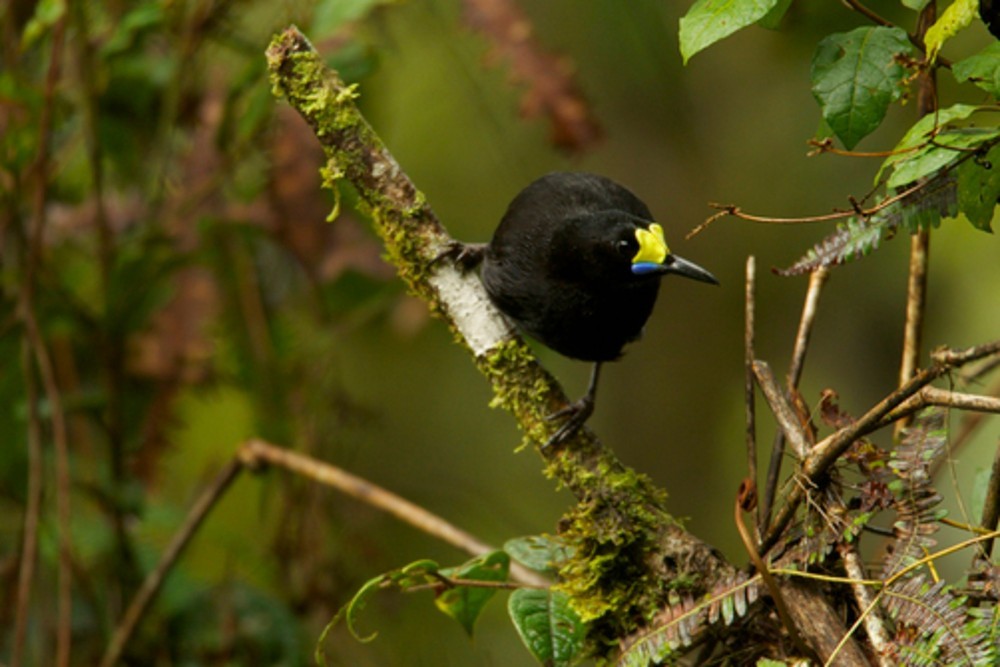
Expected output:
(624, 247)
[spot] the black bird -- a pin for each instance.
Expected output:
(576, 263)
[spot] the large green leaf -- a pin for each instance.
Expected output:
(921, 133)
(856, 76)
(708, 21)
(982, 69)
(948, 147)
(464, 603)
(548, 626)
(979, 188)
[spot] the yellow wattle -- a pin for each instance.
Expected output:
(652, 246)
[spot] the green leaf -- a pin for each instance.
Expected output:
(982, 69)
(920, 134)
(957, 16)
(772, 20)
(548, 626)
(979, 188)
(464, 603)
(541, 553)
(856, 76)
(708, 21)
(414, 574)
(948, 146)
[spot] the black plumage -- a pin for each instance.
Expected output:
(576, 263)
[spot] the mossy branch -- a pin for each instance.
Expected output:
(621, 515)
(414, 238)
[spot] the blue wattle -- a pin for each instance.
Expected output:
(640, 268)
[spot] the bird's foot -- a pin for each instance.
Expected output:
(576, 413)
(465, 256)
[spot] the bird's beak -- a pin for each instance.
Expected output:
(682, 267)
(654, 257)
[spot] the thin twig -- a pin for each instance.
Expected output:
(736, 211)
(29, 545)
(36, 235)
(809, 308)
(748, 387)
(991, 504)
(944, 398)
(873, 622)
(916, 297)
(783, 412)
(827, 451)
(744, 501)
(61, 440)
(154, 580)
(817, 279)
(256, 453)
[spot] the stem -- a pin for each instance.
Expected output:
(760, 513)
(916, 289)
(154, 580)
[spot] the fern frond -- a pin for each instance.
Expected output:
(675, 626)
(916, 499)
(934, 626)
(860, 235)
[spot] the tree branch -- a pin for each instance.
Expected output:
(827, 451)
(619, 509)
(256, 453)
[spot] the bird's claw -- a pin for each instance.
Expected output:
(576, 413)
(465, 256)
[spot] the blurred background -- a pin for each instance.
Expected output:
(191, 295)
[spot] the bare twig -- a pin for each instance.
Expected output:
(35, 342)
(748, 387)
(809, 308)
(783, 412)
(736, 211)
(856, 6)
(816, 281)
(827, 451)
(942, 397)
(991, 504)
(873, 622)
(745, 501)
(154, 580)
(256, 453)
(29, 544)
(916, 296)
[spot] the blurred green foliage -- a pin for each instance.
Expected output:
(161, 218)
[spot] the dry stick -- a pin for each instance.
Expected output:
(748, 390)
(40, 169)
(29, 546)
(916, 296)
(943, 398)
(916, 288)
(254, 455)
(873, 622)
(809, 308)
(61, 441)
(991, 505)
(783, 412)
(256, 452)
(970, 421)
(154, 580)
(747, 489)
(827, 451)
